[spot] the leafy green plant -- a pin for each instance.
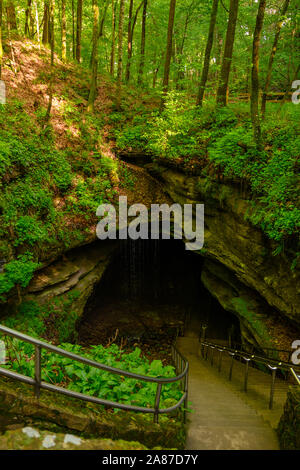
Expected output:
(17, 272)
(82, 378)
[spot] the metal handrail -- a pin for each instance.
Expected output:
(261, 359)
(272, 364)
(296, 376)
(39, 384)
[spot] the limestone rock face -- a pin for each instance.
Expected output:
(78, 271)
(243, 302)
(236, 243)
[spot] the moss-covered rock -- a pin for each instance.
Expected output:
(57, 413)
(289, 425)
(238, 299)
(28, 438)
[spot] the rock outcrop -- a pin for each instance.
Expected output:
(289, 425)
(235, 242)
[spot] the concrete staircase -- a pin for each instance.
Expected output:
(223, 416)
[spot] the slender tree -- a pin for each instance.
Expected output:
(168, 51)
(51, 35)
(93, 86)
(120, 53)
(209, 44)
(143, 44)
(113, 40)
(11, 16)
(28, 20)
(63, 30)
(131, 26)
(46, 22)
(222, 92)
(129, 40)
(254, 75)
(103, 17)
(73, 31)
(179, 51)
(78, 30)
(37, 21)
(272, 55)
(1, 46)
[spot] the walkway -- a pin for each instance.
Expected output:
(221, 419)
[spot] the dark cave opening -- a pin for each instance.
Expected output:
(150, 290)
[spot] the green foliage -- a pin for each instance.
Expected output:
(127, 179)
(91, 381)
(58, 313)
(224, 137)
(17, 272)
(169, 133)
(131, 136)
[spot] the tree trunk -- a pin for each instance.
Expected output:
(143, 44)
(218, 50)
(254, 75)
(209, 44)
(51, 34)
(11, 16)
(1, 46)
(79, 31)
(37, 21)
(63, 30)
(101, 25)
(120, 53)
(168, 51)
(222, 93)
(180, 73)
(131, 26)
(129, 41)
(73, 32)
(46, 21)
(93, 86)
(28, 19)
(113, 40)
(273, 52)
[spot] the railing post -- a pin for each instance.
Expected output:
(220, 360)
(231, 365)
(246, 373)
(157, 400)
(37, 371)
(212, 355)
(272, 386)
(186, 398)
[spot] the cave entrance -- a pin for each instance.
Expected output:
(150, 290)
